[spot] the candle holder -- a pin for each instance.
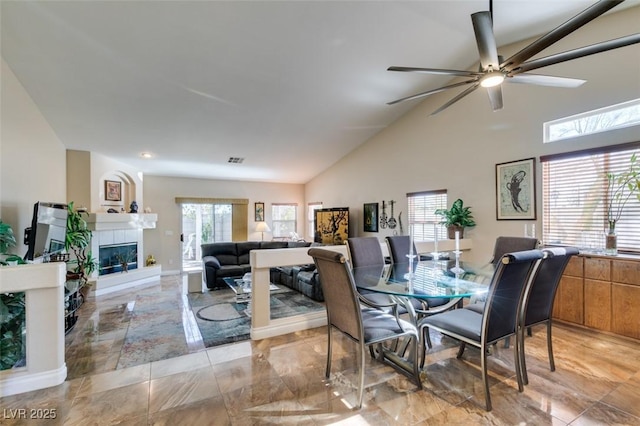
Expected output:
(411, 258)
(436, 255)
(457, 269)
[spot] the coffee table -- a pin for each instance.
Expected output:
(242, 288)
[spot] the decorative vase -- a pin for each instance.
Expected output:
(611, 240)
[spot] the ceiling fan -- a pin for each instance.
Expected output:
(494, 70)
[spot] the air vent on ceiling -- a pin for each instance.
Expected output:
(236, 160)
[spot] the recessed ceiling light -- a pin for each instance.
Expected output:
(146, 155)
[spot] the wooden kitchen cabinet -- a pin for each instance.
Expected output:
(601, 292)
(625, 298)
(569, 301)
(597, 304)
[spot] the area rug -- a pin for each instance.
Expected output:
(221, 320)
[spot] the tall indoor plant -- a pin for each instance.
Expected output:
(77, 240)
(456, 218)
(620, 188)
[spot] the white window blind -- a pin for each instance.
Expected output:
(574, 194)
(423, 222)
(284, 220)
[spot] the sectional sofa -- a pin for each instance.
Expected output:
(232, 259)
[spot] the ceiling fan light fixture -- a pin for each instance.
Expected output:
(492, 79)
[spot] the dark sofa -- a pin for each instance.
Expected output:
(222, 260)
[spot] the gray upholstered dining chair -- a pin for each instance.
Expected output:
(502, 246)
(366, 252)
(363, 325)
(399, 247)
(499, 318)
(505, 245)
(399, 251)
(539, 297)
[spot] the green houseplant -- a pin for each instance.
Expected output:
(620, 188)
(7, 240)
(77, 240)
(456, 218)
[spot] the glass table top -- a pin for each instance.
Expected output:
(427, 279)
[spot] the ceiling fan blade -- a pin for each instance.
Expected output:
(456, 99)
(559, 32)
(546, 80)
(436, 71)
(577, 53)
(483, 28)
(431, 92)
(495, 97)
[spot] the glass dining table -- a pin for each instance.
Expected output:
(425, 280)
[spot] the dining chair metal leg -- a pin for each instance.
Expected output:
(361, 376)
(329, 344)
(552, 364)
(485, 379)
(463, 345)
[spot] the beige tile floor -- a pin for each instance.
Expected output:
(281, 381)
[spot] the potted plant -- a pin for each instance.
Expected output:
(7, 240)
(456, 218)
(77, 240)
(620, 188)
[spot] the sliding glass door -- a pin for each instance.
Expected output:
(203, 223)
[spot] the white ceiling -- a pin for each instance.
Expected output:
(291, 86)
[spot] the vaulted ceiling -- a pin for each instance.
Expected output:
(289, 86)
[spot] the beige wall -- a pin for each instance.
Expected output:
(160, 193)
(32, 158)
(458, 148)
(87, 173)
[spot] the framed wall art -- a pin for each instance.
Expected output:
(259, 208)
(516, 190)
(112, 190)
(371, 217)
(331, 225)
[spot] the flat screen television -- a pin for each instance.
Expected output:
(47, 232)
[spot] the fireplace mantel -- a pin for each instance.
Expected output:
(111, 221)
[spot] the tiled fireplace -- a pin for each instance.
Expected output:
(118, 239)
(121, 257)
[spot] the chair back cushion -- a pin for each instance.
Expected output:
(365, 251)
(506, 245)
(539, 301)
(399, 248)
(506, 292)
(341, 300)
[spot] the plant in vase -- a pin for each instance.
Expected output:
(456, 218)
(78, 239)
(620, 188)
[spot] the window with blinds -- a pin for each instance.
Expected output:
(423, 222)
(575, 191)
(284, 220)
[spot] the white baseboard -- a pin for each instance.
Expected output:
(278, 327)
(20, 383)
